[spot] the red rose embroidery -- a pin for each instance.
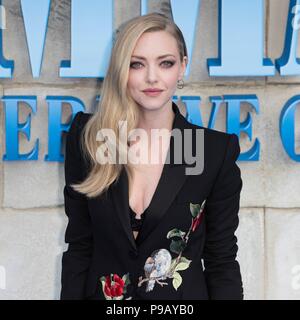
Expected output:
(114, 287)
(197, 221)
(197, 212)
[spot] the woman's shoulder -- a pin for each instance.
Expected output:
(74, 135)
(80, 119)
(219, 146)
(213, 137)
(77, 124)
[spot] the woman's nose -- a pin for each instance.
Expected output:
(152, 74)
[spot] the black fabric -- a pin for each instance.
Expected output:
(136, 224)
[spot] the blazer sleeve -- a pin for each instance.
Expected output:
(222, 271)
(78, 234)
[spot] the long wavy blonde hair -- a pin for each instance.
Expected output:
(116, 104)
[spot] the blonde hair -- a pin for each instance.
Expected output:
(116, 104)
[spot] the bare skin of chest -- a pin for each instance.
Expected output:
(144, 181)
(142, 188)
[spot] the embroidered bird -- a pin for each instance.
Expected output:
(157, 265)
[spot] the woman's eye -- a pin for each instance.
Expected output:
(166, 63)
(134, 65)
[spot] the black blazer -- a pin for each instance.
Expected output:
(104, 260)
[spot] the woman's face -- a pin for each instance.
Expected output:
(155, 64)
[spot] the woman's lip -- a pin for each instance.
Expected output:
(152, 93)
(152, 90)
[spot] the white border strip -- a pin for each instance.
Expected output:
(2, 17)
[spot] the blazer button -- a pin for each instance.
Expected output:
(133, 254)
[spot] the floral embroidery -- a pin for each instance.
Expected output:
(160, 265)
(114, 287)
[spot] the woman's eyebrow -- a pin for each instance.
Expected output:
(160, 57)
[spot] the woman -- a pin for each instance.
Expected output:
(141, 230)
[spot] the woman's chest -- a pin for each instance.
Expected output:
(142, 186)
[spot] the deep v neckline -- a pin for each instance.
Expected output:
(157, 184)
(142, 215)
(163, 168)
(171, 179)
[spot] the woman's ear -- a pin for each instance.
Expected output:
(183, 66)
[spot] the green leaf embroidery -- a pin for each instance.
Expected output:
(173, 262)
(182, 266)
(185, 260)
(103, 285)
(177, 280)
(177, 246)
(194, 208)
(175, 233)
(126, 279)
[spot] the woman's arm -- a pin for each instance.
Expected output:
(222, 271)
(76, 260)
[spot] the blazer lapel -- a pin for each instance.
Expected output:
(172, 178)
